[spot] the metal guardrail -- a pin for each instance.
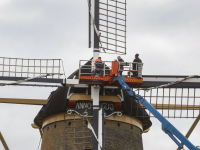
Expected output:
(86, 68)
(132, 67)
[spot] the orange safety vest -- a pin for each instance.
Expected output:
(96, 61)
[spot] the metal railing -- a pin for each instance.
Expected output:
(86, 68)
(134, 67)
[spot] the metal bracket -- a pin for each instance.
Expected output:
(85, 114)
(117, 112)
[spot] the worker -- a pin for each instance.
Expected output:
(98, 66)
(135, 66)
(121, 68)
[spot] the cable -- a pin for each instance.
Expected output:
(95, 28)
(39, 143)
(91, 128)
(25, 80)
(168, 84)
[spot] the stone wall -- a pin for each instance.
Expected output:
(118, 136)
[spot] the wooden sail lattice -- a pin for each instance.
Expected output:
(19, 70)
(174, 102)
(112, 25)
(20, 67)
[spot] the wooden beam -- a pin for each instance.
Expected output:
(175, 107)
(23, 101)
(3, 142)
(40, 132)
(191, 129)
(44, 102)
(34, 126)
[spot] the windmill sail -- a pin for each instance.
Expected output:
(22, 70)
(108, 23)
(112, 24)
(174, 102)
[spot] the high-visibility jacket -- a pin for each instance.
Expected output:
(96, 61)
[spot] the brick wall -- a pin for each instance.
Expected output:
(118, 136)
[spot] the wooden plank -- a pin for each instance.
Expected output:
(36, 127)
(191, 129)
(175, 107)
(3, 142)
(23, 101)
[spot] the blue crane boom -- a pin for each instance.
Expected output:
(167, 127)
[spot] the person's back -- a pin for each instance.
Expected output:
(121, 67)
(137, 60)
(99, 63)
(98, 66)
(135, 67)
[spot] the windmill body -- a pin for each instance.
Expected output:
(149, 82)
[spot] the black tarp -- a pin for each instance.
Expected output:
(133, 108)
(58, 99)
(57, 103)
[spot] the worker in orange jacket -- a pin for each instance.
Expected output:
(98, 66)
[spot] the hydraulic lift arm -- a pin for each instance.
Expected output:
(167, 127)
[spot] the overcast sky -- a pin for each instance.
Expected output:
(166, 34)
